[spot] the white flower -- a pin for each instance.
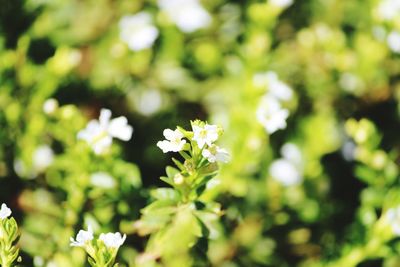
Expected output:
(99, 133)
(393, 218)
(43, 157)
(276, 88)
(285, 172)
(50, 106)
(137, 31)
(271, 115)
(214, 153)
(188, 15)
(5, 212)
(82, 238)
(102, 179)
(281, 3)
(393, 41)
(350, 82)
(113, 240)
(388, 9)
(206, 134)
(292, 153)
(148, 101)
(174, 142)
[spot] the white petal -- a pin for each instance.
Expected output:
(165, 146)
(120, 129)
(222, 155)
(5, 212)
(102, 145)
(92, 129)
(105, 116)
(169, 134)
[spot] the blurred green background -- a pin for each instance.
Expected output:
(308, 194)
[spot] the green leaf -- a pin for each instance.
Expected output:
(167, 180)
(179, 164)
(164, 194)
(171, 171)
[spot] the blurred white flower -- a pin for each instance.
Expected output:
(285, 172)
(271, 115)
(348, 150)
(205, 134)
(99, 133)
(188, 15)
(102, 179)
(350, 82)
(388, 9)
(137, 31)
(50, 106)
(113, 240)
(5, 212)
(393, 218)
(281, 3)
(174, 142)
(82, 238)
(214, 153)
(148, 102)
(276, 88)
(393, 41)
(42, 158)
(292, 153)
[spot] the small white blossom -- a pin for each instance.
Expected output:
(214, 153)
(206, 134)
(113, 240)
(148, 101)
(5, 212)
(99, 133)
(50, 106)
(281, 3)
(137, 31)
(350, 82)
(292, 153)
(271, 115)
(82, 238)
(42, 158)
(393, 41)
(285, 172)
(102, 179)
(276, 87)
(393, 218)
(174, 142)
(188, 15)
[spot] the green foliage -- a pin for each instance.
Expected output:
(9, 235)
(307, 93)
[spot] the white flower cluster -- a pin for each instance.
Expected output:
(5, 212)
(188, 15)
(110, 240)
(138, 31)
(288, 169)
(204, 136)
(99, 133)
(393, 219)
(270, 112)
